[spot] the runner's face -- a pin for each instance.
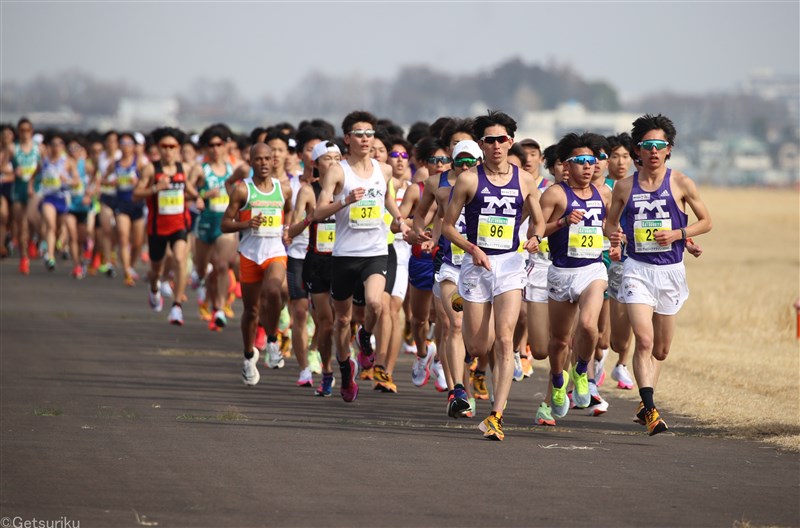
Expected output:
(326, 161)
(188, 153)
(262, 161)
(127, 145)
(496, 152)
(216, 149)
(580, 175)
(378, 151)
(97, 148)
(25, 131)
(280, 151)
(76, 150)
(600, 167)
(307, 149)
(8, 136)
(534, 160)
(438, 167)
(112, 143)
(398, 164)
(654, 159)
(169, 150)
(56, 147)
(558, 172)
(458, 136)
(359, 145)
(619, 163)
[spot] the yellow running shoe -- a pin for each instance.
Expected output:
(383, 380)
(479, 386)
(205, 311)
(655, 424)
(492, 427)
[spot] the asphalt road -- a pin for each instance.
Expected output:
(112, 417)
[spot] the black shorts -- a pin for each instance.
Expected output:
(391, 275)
(5, 191)
(317, 269)
(157, 244)
(133, 210)
(80, 216)
(294, 278)
(109, 200)
(351, 272)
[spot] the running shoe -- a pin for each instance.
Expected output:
(527, 366)
(305, 379)
(580, 396)
(129, 281)
(176, 315)
(365, 374)
(597, 405)
(639, 417)
(421, 370)
(621, 375)
(558, 400)
(194, 280)
(472, 408)
(350, 393)
(219, 319)
(439, 381)
(166, 289)
(50, 264)
(492, 428)
(77, 272)
(655, 424)
(25, 266)
(409, 348)
(212, 326)
(33, 251)
(261, 338)
(479, 386)
(519, 374)
(314, 361)
(228, 309)
(250, 375)
(110, 271)
(366, 354)
(325, 388)
(201, 293)
(155, 300)
(133, 273)
(274, 358)
(599, 373)
(544, 416)
(458, 405)
(383, 380)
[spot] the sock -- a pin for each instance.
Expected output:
(498, 415)
(249, 354)
(581, 367)
(272, 338)
(176, 304)
(458, 386)
(558, 379)
(344, 368)
(480, 372)
(647, 397)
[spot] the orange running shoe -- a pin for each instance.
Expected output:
(25, 266)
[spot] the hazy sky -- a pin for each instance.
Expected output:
(162, 47)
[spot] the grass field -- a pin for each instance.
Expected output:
(735, 360)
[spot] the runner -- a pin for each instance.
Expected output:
(129, 214)
(167, 189)
(7, 137)
(652, 206)
(356, 192)
(106, 233)
(491, 282)
(27, 163)
(80, 203)
(261, 203)
(211, 244)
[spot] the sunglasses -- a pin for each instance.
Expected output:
(603, 156)
(396, 154)
(126, 143)
(168, 146)
(583, 159)
(469, 162)
(444, 160)
(491, 140)
(362, 133)
(648, 144)
(215, 145)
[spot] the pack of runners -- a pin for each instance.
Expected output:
(446, 243)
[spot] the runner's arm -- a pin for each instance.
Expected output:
(304, 205)
(145, 186)
(230, 224)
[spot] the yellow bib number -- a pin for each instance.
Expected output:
(125, 182)
(585, 242)
(170, 202)
(366, 213)
(218, 204)
(51, 182)
(271, 222)
(496, 232)
(458, 255)
(644, 234)
(27, 172)
(326, 237)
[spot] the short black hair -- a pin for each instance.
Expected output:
(9, 126)
(649, 122)
(398, 140)
(257, 131)
(517, 150)
(573, 141)
(492, 118)
(457, 125)
(427, 146)
(357, 116)
(110, 133)
(602, 142)
(275, 133)
(285, 125)
(550, 157)
(307, 133)
(392, 128)
(620, 140)
(218, 131)
(418, 130)
(160, 133)
(439, 125)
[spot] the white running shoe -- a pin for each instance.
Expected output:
(597, 405)
(409, 349)
(439, 381)
(622, 377)
(166, 289)
(599, 373)
(155, 300)
(519, 374)
(274, 357)
(421, 370)
(305, 379)
(194, 279)
(201, 293)
(176, 315)
(219, 319)
(250, 375)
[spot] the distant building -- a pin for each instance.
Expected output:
(147, 112)
(548, 126)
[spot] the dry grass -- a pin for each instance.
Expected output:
(734, 361)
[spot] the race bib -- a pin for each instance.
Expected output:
(326, 236)
(496, 232)
(585, 242)
(271, 222)
(366, 213)
(125, 182)
(27, 173)
(458, 255)
(644, 232)
(51, 182)
(170, 202)
(218, 204)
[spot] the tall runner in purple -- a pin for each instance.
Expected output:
(652, 205)
(491, 282)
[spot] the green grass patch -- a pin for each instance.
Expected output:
(47, 411)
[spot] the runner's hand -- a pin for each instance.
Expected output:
(532, 245)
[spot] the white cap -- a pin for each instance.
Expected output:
(38, 138)
(195, 138)
(468, 146)
(322, 147)
(292, 143)
(139, 138)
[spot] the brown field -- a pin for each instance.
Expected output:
(735, 361)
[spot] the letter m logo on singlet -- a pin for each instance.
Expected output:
(495, 203)
(592, 217)
(644, 206)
